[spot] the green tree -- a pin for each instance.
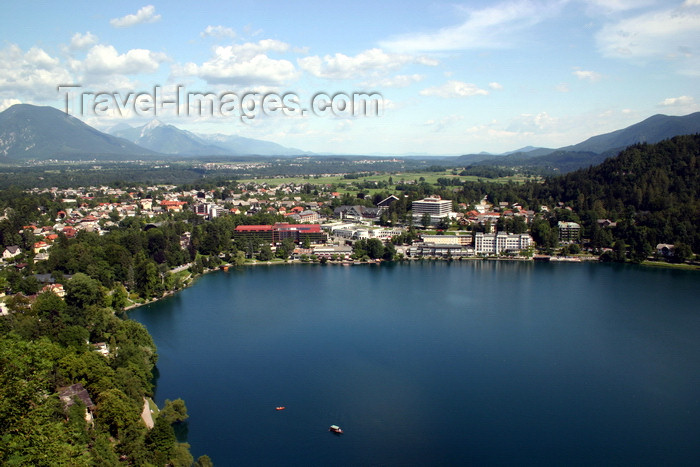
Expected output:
(682, 252)
(147, 278)
(203, 461)
(160, 441)
(83, 291)
(265, 253)
(375, 248)
(174, 411)
(115, 411)
(119, 297)
(285, 249)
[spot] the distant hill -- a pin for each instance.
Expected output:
(240, 146)
(652, 130)
(596, 149)
(34, 132)
(167, 139)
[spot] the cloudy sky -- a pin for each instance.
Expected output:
(455, 77)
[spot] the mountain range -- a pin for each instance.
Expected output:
(33, 132)
(168, 139)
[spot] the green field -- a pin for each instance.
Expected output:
(344, 185)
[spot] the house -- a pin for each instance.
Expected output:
(11, 251)
(40, 247)
(77, 392)
(665, 250)
(101, 348)
(55, 288)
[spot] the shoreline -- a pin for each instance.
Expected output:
(549, 259)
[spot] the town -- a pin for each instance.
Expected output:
(258, 222)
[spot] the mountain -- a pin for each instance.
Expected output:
(652, 130)
(530, 151)
(167, 139)
(598, 148)
(34, 132)
(240, 146)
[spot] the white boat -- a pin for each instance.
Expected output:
(335, 429)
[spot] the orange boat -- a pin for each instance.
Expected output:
(280, 408)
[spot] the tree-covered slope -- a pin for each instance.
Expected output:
(652, 189)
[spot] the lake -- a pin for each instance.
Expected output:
(435, 363)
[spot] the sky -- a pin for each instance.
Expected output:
(447, 78)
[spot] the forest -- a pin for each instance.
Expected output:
(651, 191)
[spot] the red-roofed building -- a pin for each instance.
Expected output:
(40, 246)
(276, 233)
(55, 288)
(172, 205)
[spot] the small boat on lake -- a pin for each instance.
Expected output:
(280, 408)
(335, 429)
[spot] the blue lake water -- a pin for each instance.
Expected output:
(435, 363)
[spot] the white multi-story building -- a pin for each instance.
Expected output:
(464, 240)
(435, 206)
(501, 242)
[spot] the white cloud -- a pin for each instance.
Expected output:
(7, 103)
(587, 75)
(82, 41)
(533, 123)
(219, 32)
(680, 105)
(615, 6)
(672, 101)
(373, 62)
(398, 81)
(34, 73)
(145, 14)
(444, 122)
(245, 64)
(455, 89)
(105, 60)
(670, 34)
(496, 86)
(492, 27)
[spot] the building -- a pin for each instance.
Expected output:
(11, 251)
(665, 249)
(464, 240)
(275, 234)
(435, 206)
(341, 252)
(501, 242)
(569, 232)
(445, 250)
(386, 202)
(356, 212)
